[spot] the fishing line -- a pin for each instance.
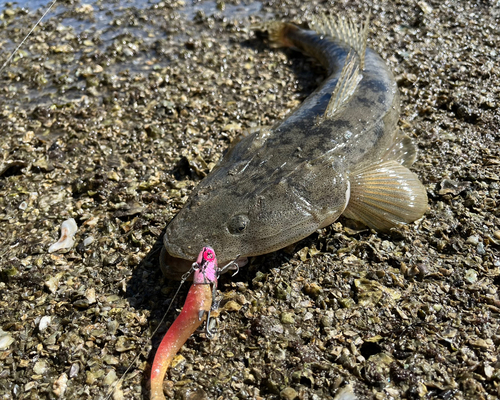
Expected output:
(27, 36)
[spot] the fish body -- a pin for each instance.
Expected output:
(339, 152)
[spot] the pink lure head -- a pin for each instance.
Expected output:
(207, 267)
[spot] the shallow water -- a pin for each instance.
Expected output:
(228, 11)
(42, 5)
(27, 4)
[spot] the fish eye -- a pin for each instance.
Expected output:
(238, 224)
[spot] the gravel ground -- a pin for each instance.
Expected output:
(111, 114)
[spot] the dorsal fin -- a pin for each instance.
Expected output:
(345, 88)
(344, 30)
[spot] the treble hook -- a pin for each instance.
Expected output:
(231, 265)
(215, 304)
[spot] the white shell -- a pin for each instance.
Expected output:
(66, 241)
(5, 340)
(44, 323)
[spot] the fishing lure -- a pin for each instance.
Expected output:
(200, 301)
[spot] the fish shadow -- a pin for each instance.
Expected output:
(307, 71)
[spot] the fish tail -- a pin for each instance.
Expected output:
(345, 31)
(280, 33)
(329, 40)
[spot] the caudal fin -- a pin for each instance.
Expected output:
(279, 33)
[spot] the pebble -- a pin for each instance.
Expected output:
(346, 393)
(480, 249)
(6, 340)
(60, 385)
(30, 385)
(73, 371)
(287, 318)
(289, 393)
(110, 377)
(44, 323)
(88, 241)
(40, 367)
(231, 305)
(474, 240)
(488, 371)
(471, 276)
(90, 295)
(53, 283)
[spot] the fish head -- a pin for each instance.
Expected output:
(243, 221)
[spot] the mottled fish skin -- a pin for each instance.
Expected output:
(278, 185)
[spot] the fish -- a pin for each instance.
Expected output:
(339, 153)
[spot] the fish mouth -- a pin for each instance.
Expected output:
(175, 250)
(173, 267)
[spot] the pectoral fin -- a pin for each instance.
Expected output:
(385, 195)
